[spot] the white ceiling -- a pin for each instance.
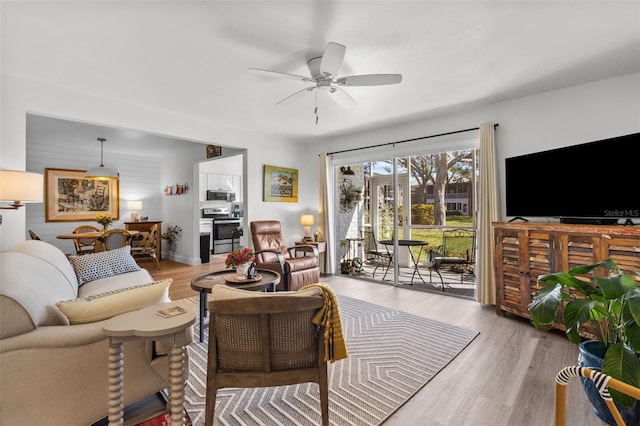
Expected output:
(192, 57)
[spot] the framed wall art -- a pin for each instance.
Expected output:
(214, 151)
(69, 197)
(280, 184)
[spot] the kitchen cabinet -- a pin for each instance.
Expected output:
(219, 182)
(523, 251)
(237, 187)
(213, 181)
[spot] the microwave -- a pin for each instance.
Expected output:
(221, 196)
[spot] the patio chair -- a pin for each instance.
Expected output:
(456, 254)
(373, 253)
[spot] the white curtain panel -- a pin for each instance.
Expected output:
(487, 214)
(325, 221)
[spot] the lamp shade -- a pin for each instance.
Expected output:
(25, 187)
(307, 219)
(134, 205)
(101, 173)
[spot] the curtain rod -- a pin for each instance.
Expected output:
(408, 140)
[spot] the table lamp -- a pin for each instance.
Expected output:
(135, 207)
(307, 220)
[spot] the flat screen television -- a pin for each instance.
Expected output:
(596, 182)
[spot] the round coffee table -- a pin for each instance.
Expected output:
(204, 283)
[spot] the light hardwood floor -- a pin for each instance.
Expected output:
(504, 377)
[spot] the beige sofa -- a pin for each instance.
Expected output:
(53, 355)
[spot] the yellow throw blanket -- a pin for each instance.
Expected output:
(328, 317)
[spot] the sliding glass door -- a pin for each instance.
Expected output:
(401, 210)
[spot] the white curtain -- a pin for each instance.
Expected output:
(487, 214)
(325, 221)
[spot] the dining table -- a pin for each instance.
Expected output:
(87, 235)
(414, 259)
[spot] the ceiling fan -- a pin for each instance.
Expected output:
(323, 71)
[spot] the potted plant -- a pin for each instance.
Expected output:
(345, 263)
(607, 307)
(171, 235)
(348, 265)
(240, 259)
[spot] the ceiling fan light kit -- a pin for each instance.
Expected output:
(323, 72)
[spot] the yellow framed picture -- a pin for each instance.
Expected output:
(69, 197)
(280, 184)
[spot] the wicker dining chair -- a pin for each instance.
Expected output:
(85, 245)
(268, 340)
(113, 239)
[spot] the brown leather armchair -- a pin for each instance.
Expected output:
(273, 254)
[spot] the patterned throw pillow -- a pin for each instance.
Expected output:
(111, 303)
(91, 267)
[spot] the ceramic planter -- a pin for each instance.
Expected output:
(591, 355)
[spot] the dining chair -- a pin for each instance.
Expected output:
(147, 245)
(113, 239)
(85, 245)
(265, 339)
(33, 235)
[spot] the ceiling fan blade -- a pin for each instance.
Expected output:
(342, 98)
(297, 95)
(278, 74)
(370, 80)
(332, 59)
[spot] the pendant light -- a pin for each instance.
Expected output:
(101, 172)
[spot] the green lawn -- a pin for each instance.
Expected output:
(434, 236)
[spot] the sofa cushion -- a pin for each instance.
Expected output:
(115, 282)
(108, 304)
(94, 266)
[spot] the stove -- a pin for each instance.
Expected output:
(216, 213)
(225, 237)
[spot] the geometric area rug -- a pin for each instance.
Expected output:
(392, 355)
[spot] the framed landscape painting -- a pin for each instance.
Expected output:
(280, 184)
(69, 197)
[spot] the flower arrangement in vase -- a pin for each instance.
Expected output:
(105, 220)
(240, 259)
(172, 235)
